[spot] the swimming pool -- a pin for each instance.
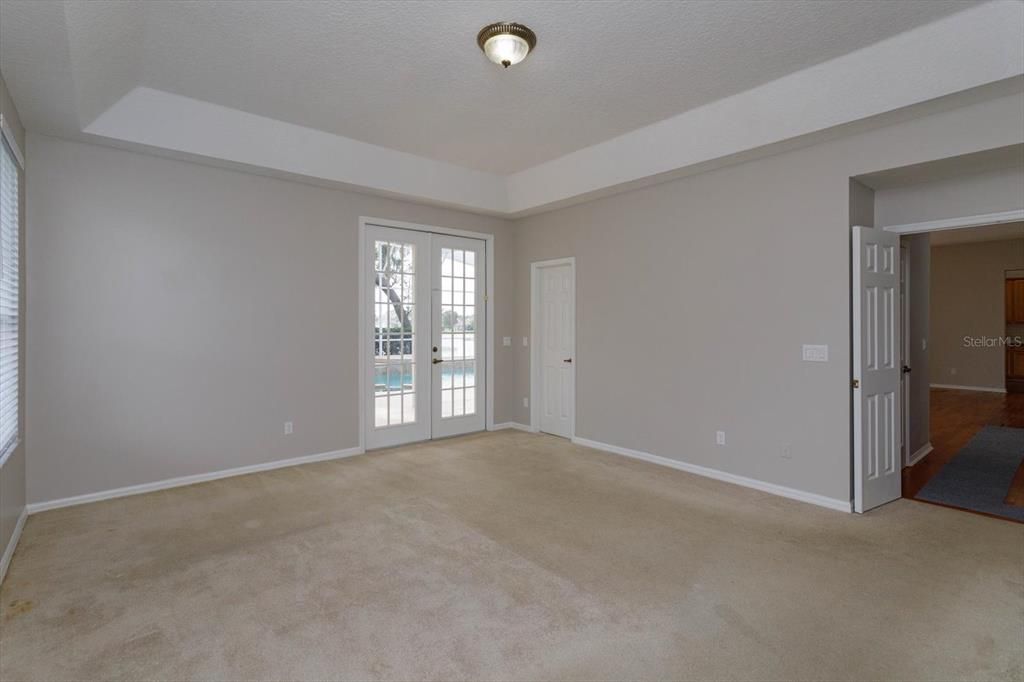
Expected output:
(456, 374)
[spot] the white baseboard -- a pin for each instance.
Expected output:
(512, 425)
(12, 544)
(920, 454)
(986, 389)
(37, 507)
(791, 493)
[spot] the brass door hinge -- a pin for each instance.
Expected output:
(856, 383)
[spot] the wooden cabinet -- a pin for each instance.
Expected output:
(1015, 369)
(1015, 363)
(1015, 301)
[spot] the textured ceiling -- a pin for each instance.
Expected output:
(408, 75)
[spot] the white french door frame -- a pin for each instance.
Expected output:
(535, 361)
(488, 240)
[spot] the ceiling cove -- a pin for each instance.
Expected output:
(273, 90)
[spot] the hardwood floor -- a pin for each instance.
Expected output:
(955, 417)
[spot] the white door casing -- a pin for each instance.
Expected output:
(555, 348)
(458, 333)
(876, 368)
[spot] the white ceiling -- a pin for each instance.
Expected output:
(408, 76)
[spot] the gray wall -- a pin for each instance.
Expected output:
(12, 472)
(977, 193)
(968, 299)
(696, 295)
(919, 249)
(182, 313)
(862, 204)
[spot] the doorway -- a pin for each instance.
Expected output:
(424, 326)
(553, 347)
(975, 426)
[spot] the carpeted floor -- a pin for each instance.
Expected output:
(514, 556)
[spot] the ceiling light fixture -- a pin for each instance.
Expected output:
(506, 42)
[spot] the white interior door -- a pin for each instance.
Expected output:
(398, 342)
(876, 368)
(557, 322)
(458, 335)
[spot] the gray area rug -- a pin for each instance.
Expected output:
(979, 477)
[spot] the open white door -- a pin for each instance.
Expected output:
(876, 368)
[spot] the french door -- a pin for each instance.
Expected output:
(426, 336)
(457, 330)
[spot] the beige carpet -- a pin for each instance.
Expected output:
(507, 555)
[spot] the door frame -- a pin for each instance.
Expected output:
(905, 351)
(958, 223)
(488, 240)
(535, 369)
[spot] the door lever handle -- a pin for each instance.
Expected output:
(906, 369)
(436, 361)
(567, 360)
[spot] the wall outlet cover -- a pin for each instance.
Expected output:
(815, 353)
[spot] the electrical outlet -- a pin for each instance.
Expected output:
(952, 370)
(720, 437)
(526, 402)
(787, 451)
(289, 428)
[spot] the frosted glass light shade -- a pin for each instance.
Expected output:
(506, 49)
(506, 43)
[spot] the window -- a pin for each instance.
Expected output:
(9, 298)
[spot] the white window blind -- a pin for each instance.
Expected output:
(9, 299)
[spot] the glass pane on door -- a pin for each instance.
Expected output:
(458, 333)
(395, 330)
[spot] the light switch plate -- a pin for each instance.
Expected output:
(526, 340)
(815, 353)
(506, 340)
